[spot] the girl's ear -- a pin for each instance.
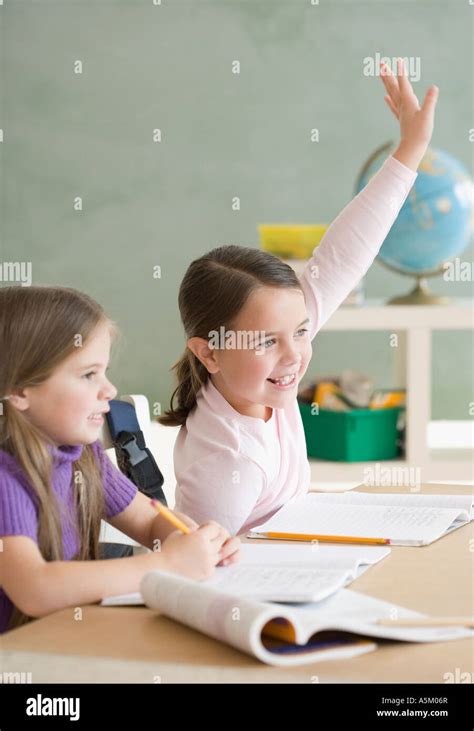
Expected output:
(203, 353)
(19, 400)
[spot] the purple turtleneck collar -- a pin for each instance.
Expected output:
(65, 453)
(62, 455)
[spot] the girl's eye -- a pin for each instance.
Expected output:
(92, 373)
(267, 343)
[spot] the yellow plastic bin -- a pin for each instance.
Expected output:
(291, 241)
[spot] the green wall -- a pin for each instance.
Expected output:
(148, 204)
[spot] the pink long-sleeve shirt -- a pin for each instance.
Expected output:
(239, 470)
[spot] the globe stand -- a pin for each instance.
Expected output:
(420, 294)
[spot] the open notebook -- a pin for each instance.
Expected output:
(315, 617)
(405, 520)
(286, 573)
(340, 626)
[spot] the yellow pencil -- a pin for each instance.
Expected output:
(170, 516)
(325, 539)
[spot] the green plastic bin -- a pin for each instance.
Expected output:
(351, 436)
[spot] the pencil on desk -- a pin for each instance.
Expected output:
(171, 517)
(325, 539)
(428, 622)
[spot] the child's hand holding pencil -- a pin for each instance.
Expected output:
(211, 539)
(172, 520)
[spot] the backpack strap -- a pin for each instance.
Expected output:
(133, 456)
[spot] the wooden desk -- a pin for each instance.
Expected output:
(135, 644)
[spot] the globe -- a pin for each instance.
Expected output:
(434, 225)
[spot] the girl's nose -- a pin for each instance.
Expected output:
(291, 356)
(109, 391)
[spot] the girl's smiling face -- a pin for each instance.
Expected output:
(284, 348)
(68, 407)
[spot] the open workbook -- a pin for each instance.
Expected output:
(340, 626)
(334, 623)
(286, 573)
(401, 519)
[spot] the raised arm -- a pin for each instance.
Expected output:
(353, 240)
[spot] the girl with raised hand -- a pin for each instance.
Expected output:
(240, 454)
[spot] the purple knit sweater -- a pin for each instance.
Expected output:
(18, 503)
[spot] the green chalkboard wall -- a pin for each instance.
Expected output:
(169, 66)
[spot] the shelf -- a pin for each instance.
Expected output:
(375, 315)
(442, 464)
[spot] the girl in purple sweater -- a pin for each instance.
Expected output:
(56, 483)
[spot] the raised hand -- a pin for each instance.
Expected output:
(416, 123)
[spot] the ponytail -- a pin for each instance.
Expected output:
(191, 375)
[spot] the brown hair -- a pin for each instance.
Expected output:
(38, 330)
(214, 290)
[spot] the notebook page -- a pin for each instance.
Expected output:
(290, 583)
(348, 561)
(358, 612)
(293, 573)
(120, 600)
(396, 523)
(460, 502)
(316, 554)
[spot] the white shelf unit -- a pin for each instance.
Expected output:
(413, 325)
